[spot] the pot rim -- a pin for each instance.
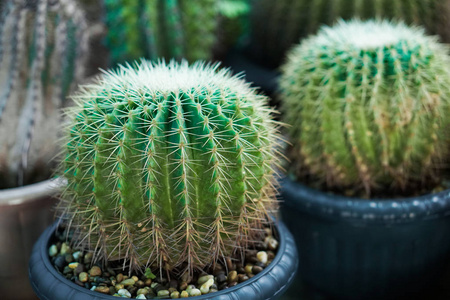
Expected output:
(31, 192)
(426, 207)
(286, 243)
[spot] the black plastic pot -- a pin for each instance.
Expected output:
(368, 249)
(271, 283)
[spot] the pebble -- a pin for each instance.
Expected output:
(60, 261)
(88, 258)
(221, 278)
(256, 269)
(119, 277)
(53, 250)
(163, 293)
(204, 289)
(184, 294)
(262, 256)
(142, 292)
(128, 282)
(204, 278)
(83, 277)
(272, 243)
(135, 278)
(175, 295)
(65, 249)
(248, 269)
(232, 276)
(76, 255)
(102, 289)
(95, 271)
(141, 296)
(124, 293)
(119, 286)
(73, 265)
(195, 292)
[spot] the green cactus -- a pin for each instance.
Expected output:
(161, 28)
(277, 25)
(169, 165)
(368, 104)
(42, 47)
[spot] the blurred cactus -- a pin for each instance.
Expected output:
(42, 45)
(368, 103)
(277, 25)
(161, 28)
(169, 165)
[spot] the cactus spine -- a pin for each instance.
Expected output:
(169, 165)
(42, 46)
(161, 28)
(287, 21)
(368, 105)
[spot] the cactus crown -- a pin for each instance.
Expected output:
(42, 47)
(169, 165)
(367, 102)
(161, 28)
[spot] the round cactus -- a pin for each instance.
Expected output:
(287, 21)
(169, 165)
(368, 104)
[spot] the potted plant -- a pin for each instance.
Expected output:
(42, 48)
(170, 167)
(368, 106)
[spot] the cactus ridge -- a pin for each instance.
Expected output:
(169, 165)
(367, 102)
(288, 21)
(165, 28)
(39, 60)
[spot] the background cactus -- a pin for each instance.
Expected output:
(161, 28)
(42, 46)
(277, 25)
(368, 103)
(169, 165)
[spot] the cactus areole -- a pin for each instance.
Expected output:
(368, 103)
(169, 165)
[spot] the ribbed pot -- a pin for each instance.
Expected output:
(24, 214)
(271, 283)
(353, 248)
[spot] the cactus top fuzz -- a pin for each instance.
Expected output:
(169, 165)
(368, 103)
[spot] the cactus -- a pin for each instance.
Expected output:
(368, 104)
(161, 28)
(277, 25)
(42, 45)
(168, 165)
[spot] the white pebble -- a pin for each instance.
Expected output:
(205, 287)
(195, 292)
(262, 256)
(141, 296)
(76, 255)
(53, 250)
(124, 293)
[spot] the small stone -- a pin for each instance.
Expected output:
(154, 285)
(80, 268)
(141, 296)
(142, 292)
(175, 295)
(256, 269)
(53, 250)
(232, 276)
(76, 255)
(60, 262)
(221, 278)
(74, 265)
(69, 258)
(124, 293)
(119, 286)
(171, 290)
(229, 263)
(248, 269)
(83, 277)
(132, 289)
(93, 288)
(135, 278)
(183, 285)
(128, 282)
(185, 277)
(204, 278)
(67, 270)
(205, 286)
(95, 271)
(242, 278)
(88, 258)
(262, 256)
(65, 249)
(190, 288)
(272, 243)
(148, 282)
(102, 289)
(163, 293)
(140, 284)
(270, 255)
(232, 284)
(184, 294)
(119, 277)
(195, 292)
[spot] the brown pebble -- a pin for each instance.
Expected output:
(232, 276)
(183, 286)
(148, 282)
(270, 255)
(80, 268)
(229, 263)
(232, 284)
(135, 278)
(140, 284)
(256, 269)
(242, 278)
(119, 277)
(171, 290)
(240, 270)
(95, 271)
(102, 289)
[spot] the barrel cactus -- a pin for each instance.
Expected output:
(168, 165)
(287, 21)
(368, 103)
(161, 28)
(42, 47)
